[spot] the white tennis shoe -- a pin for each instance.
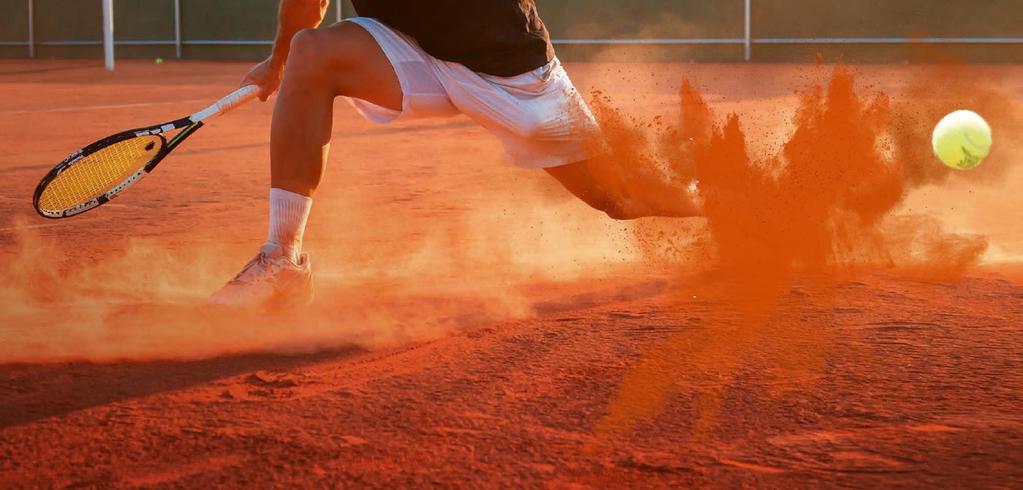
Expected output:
(270, 280)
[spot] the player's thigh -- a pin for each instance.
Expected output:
(351, 62)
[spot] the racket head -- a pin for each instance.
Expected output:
(97, 173)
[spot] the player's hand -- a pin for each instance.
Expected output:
(267, 75)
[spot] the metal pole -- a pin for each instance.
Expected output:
(668, 41)
(108, 34)
(31, 30)
(749, 32)
(177, 28)
(339, 13)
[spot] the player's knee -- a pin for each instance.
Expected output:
(329, 57)
(304, 58)
(304, 42)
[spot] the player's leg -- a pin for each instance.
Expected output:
(619, 200)
(544, 122)
(342, 60)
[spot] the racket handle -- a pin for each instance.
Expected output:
(232, 101)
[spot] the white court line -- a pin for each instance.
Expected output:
(29, 200)
(101, 107)
(45, 225)
(29, 227)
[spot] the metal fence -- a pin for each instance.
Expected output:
(748, 41)
(178, 42)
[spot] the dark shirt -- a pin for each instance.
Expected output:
(497, 37)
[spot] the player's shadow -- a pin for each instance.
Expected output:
(32, 392)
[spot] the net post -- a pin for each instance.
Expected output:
(108, 34)
(340, 14)
(31, 29)
(748, 39)
(177, 28)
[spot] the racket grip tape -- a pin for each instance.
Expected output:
(237, 98)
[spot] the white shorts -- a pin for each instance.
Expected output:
(539, 116)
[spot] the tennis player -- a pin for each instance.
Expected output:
(491, 60)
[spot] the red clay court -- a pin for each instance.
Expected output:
(476, 326)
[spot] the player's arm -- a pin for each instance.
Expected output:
(292, 16)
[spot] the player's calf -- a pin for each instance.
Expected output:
(626, 201)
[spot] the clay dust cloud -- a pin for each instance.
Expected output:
(825, 210)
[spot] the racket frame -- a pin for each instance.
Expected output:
(188, 125)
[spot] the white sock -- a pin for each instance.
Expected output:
(289, 213)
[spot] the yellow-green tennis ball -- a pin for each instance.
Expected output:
(159, 61)
(962, 140)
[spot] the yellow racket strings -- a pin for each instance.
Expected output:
(99, 172)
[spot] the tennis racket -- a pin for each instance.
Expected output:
(94, 175)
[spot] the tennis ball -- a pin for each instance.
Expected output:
(962, 140)
(158, 61)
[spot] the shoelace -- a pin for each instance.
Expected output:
(260, 259)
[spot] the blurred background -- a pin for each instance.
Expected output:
(615, 30)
